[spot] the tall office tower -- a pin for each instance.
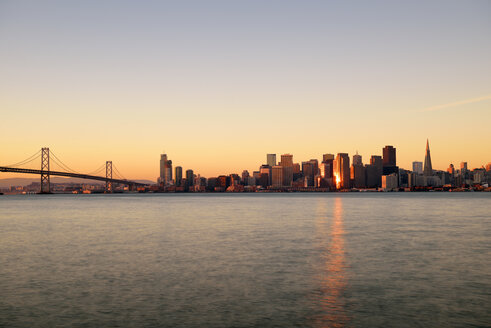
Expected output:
(277, 176)
(265, 170)
(389, 153)
(428, 170)
(358, 175)
(178, 175)
(342, 171)
(296, 168)
(287, 164)
(463, 166)
(190, 177)
(418, 167)
(165, 169)
(376, 161)
(389, 161)
(245, 177)
(325, 170)
(163, 161)
(357, 159)
(271, 159)
(308, 173)
(327, 158)
(451, 169)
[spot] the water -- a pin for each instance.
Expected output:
(246, 260)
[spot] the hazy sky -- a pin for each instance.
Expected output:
(218, 84)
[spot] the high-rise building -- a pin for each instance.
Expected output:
(418, 167)
(389, 161)
(308, 173)
(357, 159)
(178, 175)
(165, 170)
(428, 169)
(389, 153)
(376, 173)
(342, 171)
(265, 170)
(287, 164)
(451, 169)
(245, 177)
(190, 177)
(271, 159)
(326, 158)
(463, 166)
(277, 176)
(358, 175)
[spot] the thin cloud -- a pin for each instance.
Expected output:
(458, 103)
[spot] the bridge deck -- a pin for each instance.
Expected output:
(72, 175)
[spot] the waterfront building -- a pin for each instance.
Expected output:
(390, 182)
(389, 161)
(428, 169)
(389, 154)
(245, 177)
(265, 169)
(376, 161)
(342, 171)
(277, 176)
(358, 175)
(327, 158)
(451, 169)
(271, 159)
(178, 175)
(287, 165)
(165, 170)
(190, 177)
(418, 167)
(357, 159)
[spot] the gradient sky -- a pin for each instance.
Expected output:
(218, 84)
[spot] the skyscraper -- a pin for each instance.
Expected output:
(389, 153)
(165, 170)
(418, 167)
(277, 176)
(190, 177)
(271, 159)
(357, 159)
(342, 171)
(178, 175)
(389, 165)
(287, 164)
(428, 169)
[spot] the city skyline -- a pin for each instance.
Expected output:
(219, 84)
(165, 174)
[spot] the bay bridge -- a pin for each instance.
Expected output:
(47, 160)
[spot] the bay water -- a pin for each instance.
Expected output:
(246, 260)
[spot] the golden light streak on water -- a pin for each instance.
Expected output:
(333, 279)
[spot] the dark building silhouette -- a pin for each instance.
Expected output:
(190, 177)
(428, 169)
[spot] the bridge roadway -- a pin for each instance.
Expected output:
(72, 175)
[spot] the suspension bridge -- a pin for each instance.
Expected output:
(47, 159)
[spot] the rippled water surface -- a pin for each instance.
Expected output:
(246, 260)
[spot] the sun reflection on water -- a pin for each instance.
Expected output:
(333, 276)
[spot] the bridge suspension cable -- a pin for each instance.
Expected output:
(26, 161)
(118, 174)
(60, 163)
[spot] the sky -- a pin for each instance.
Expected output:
(218, 84)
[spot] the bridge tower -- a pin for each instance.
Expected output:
(109, 175)
(45, 184)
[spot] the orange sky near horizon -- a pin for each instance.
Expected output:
(219, 85)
